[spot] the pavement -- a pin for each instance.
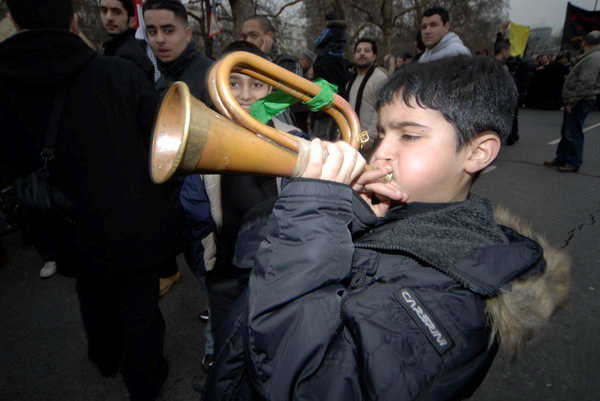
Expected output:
(42, 342)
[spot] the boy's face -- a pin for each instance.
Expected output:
(420, 146)
(247, 90)
(168, 35)
(114, 17)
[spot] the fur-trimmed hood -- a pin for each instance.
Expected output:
(526, 305)
(525, 279)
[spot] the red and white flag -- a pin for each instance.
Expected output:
(213, 25)
(137, 5)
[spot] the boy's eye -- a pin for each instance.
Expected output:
(408, 137)
(257, 84)
(234, 84)
(169, 31)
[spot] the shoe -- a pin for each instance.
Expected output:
(552, 163)
(207, 362)
(167, 283)
(203, 316)
(48, 270)
(566, 169)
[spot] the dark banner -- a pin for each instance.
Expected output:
(578, 23)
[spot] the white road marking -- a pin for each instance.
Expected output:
(591, 127)
(586, 129)
(489, 169)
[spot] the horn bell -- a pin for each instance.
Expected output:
(191, 138)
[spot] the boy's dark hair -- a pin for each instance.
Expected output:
(128, 6)
(264, 22)
(34, 14)
(366, 40)
(172, 5)
(243, 46)
(442, 12)
(474, 94)
(500, 46)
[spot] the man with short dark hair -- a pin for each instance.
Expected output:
(170, 38)
(118, 18)
(579, 93)
(123, 229)
(363, 86)
(259, 31)
(439, 41)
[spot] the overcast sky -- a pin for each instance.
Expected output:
(541, 13)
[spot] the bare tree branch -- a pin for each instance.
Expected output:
(198, 18)
(402, 13)
(278, 13)
(358, 31)
(366, 12)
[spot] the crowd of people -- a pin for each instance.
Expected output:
(393, 282)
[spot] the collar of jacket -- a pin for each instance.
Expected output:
(448, 39)
(455, 238)
(176, 67)
(585, 55)
(111, 46)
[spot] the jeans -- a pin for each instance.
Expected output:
(570, 148)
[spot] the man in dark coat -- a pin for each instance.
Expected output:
(170, 38)
(123, 227)
(118, 18)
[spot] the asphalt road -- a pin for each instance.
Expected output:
(42, 342)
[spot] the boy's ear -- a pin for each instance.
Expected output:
(482, 152)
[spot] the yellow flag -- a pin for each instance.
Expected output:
(518, 39)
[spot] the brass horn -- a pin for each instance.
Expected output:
(189, 137)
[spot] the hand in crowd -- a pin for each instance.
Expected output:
(341, 163)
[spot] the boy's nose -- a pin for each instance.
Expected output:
(245, 93)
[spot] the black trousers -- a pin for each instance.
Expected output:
(122, 321)
(223, 287)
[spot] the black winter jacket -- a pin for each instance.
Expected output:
(101, 156)
(342, 305)
(190, 67)
(126, 46)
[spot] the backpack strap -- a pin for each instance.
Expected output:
(52, 131)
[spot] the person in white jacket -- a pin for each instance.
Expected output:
(439, 41)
